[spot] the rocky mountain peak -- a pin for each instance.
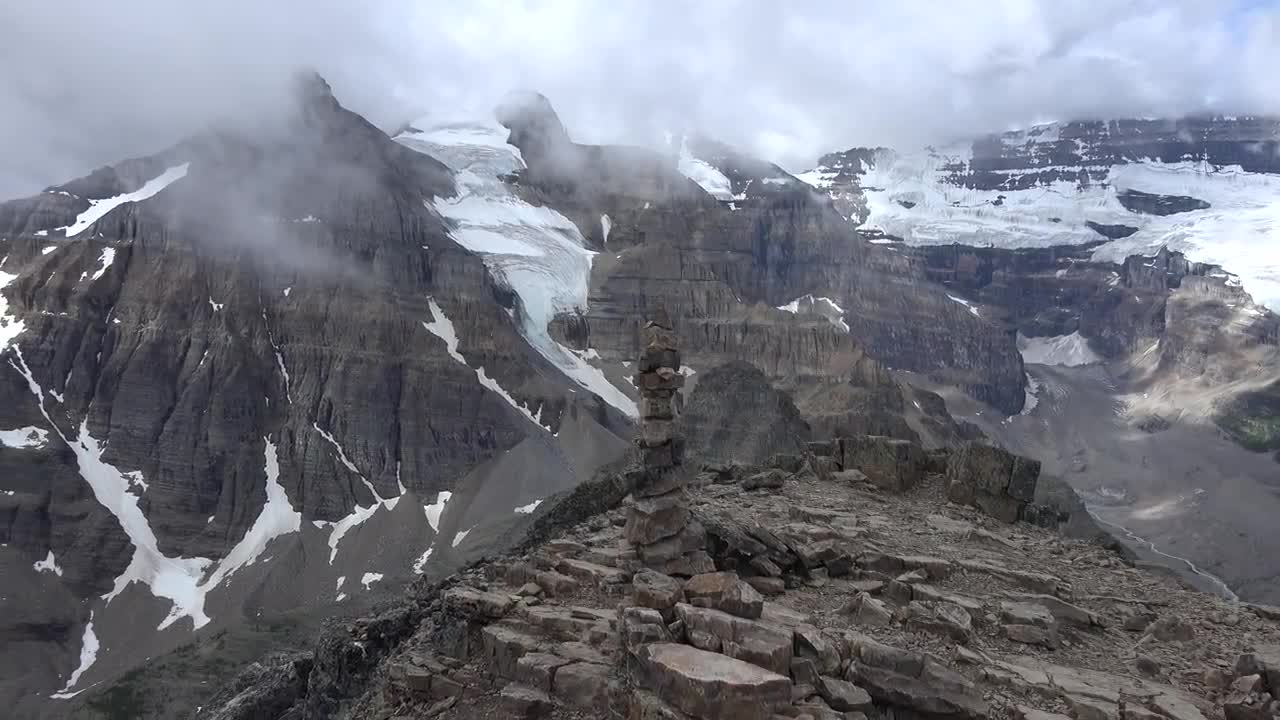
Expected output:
(535, 127)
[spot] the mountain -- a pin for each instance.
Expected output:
(270, 376)
(1135, 261)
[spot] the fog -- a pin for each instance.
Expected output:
(85, 83)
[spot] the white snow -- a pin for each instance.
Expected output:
(527, 509)
(824, 306)
(47, 250)
(341, 579)
(284, 372)
(359, 514)
(88, 656)
(965, 303)
(370, 578)
(1069, 350)
(1032, 394)
(49, 564)
(605, 226)
(442, 327)
(107, 257)
(537, 251)
(461, 535)
(99, 208)
(174, 578)
(287, 291)
(10, 328)
(1240, 231)
(276, 518)
(436, 509)
(705, 174)
(421, 562)
(24, 438)
(216, 306)
(346, 462)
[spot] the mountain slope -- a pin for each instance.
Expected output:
(249, 384)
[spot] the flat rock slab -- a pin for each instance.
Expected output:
(710, 685)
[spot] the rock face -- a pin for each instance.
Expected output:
(281, 323)
(988, 477)
(728, 272)
(735, 414)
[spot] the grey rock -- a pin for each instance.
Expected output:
(724, 591)
(708, 685)
(655, 590)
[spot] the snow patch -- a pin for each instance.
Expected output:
(1070, 350)
(173, 578)
(276, 518)
(49, 564)
(965, 303)
(47, 250)
(605, 226)
(369, 579)
(10, 328)
(216, 306)
(26, 438)
(436, 509)
(107, 257)
(461, 535)
(824, 306)
(88, 656)
(527, 509)
(99, 208)
(706, 175)
(442, 327)
(359, 514)
(421, 562)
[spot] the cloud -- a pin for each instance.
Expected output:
(85, 83)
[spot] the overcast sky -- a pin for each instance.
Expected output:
(84, 82)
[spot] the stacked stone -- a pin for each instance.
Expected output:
(659, 525)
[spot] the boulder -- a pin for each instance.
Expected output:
(1263, 661)
(522, 701)
(869, 611)
(1172, 629)
(992, 479)
(943, 619)
(1032, 635)
(767, 480)
(709, 685)
(914, 681)
(889, 463)
(477, 603)
(642, 625)
(585, 685)
(765, 644)
(810, 642)
(655, 518)
(843, 695)
(724, 591)
(657, 591)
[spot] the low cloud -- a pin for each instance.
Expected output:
(84, 83)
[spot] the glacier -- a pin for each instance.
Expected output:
(535, 250)
(909, 195)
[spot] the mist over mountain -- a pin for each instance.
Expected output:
(549, 359)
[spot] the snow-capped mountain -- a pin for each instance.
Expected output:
(1206, 187)
(257, 381)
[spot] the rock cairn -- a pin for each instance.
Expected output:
(659, 525)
